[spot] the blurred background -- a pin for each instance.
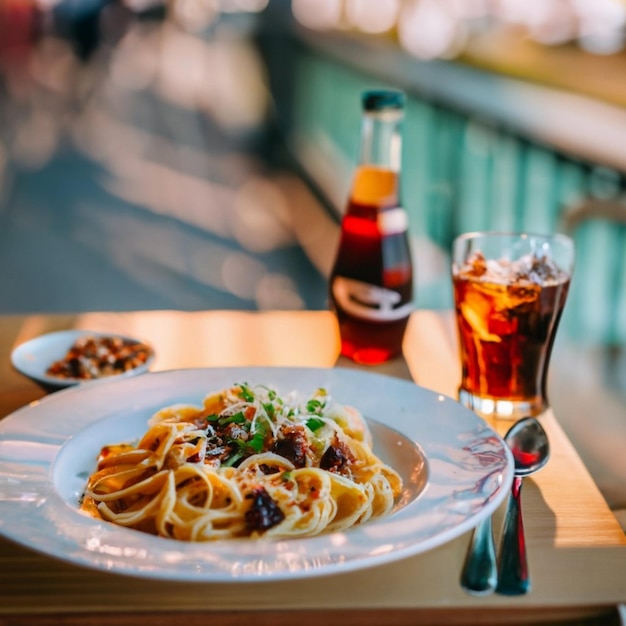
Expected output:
(197, 154)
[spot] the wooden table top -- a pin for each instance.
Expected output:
(576, 548)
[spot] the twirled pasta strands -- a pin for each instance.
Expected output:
(246, 463)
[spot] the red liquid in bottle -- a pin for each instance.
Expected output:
(371, 285)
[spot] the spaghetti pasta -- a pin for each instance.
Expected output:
(247, 463)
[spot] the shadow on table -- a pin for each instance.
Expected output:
(397, 368)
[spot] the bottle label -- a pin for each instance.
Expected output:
(369, 302)
(392, 221)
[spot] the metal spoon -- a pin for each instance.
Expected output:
(479, 574)
(529, 444)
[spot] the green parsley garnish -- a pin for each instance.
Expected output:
(222, 420)
(315, 406)
(246, 393)
(237, 418)
(270, 410)
(314, 423)
(231, 460)
(257, 441)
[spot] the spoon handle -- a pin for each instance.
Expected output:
(479, 574)
(513, 576)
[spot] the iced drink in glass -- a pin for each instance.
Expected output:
(509, 293)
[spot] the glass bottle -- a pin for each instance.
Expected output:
(371, 283)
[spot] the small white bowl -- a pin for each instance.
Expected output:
(33, 358)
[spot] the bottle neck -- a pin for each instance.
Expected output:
(377, 176)
(381, 139)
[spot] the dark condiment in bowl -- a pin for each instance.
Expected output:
(100, 356)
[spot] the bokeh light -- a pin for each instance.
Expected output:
(195, 15)
(372, 16)
(432, 29)
(318, 14)
(429, 30)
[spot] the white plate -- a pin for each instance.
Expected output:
(32, 358)
(455, 468)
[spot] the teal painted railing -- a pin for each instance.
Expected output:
(463, 173)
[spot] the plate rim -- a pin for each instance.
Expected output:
(85, 557)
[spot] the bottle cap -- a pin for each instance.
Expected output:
(379, 100)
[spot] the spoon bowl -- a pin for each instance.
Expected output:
(529, 444)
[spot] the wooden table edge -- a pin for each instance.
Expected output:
(592, 615)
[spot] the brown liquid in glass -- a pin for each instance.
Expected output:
(507, 333)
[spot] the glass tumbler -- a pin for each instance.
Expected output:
(509, 292)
